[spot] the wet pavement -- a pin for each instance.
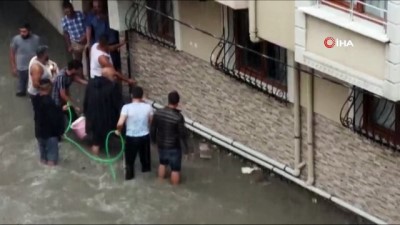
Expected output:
(82, 191)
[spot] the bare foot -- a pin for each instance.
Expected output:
(95, 150)
(44, 162)
(51, 163)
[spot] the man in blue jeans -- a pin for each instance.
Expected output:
(49, 124)
(22, 50)
(169, 132)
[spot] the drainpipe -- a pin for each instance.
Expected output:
(297, 122)
(253, 21)
(310, 129)
(128, 58)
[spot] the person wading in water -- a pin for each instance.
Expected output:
(137, 116)
(22, 50)
(169, 132)
(103, 99)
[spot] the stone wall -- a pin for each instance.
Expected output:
(346, 165)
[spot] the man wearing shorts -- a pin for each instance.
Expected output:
(169, 132)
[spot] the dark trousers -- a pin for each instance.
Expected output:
(133, 146)
(23, 76)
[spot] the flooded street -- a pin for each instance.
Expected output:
(82, 191)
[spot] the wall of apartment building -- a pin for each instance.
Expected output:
(52, 10)
(346, 165)
(367, 55)
(329, 97)
(205, 15)
(275, 22)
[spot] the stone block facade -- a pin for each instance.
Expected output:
(346, 165)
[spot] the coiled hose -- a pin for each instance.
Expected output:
(110, 161)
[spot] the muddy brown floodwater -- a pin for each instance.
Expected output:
(82, 191)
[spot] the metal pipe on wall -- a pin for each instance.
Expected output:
(253, 21)
(128, 57)
(297, 122)
(310, 129)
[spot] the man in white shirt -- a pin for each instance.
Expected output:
(137, 116)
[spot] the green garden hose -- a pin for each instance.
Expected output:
(110, 161)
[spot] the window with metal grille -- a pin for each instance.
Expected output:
(158, 24)
(374, 117)
(271, 71)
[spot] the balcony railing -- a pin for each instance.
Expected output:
(361, 9)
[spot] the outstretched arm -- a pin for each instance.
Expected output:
(105, 62)
(80, 80)
(117, 46)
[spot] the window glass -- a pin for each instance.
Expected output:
(374, 7)
(158, 23)
(384, 113)
(250, 59)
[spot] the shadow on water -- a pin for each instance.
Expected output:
(81, 191)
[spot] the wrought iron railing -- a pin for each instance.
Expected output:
(224, 57)
(137, 19)
(373, 117)
(361, 8)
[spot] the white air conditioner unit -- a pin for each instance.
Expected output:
(117, 10)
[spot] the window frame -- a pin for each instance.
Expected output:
(260, 74)
(163, 29)
(358, 7)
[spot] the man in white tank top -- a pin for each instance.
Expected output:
(39, 69)
(100, 58)
(95, 66)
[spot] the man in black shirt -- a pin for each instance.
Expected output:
(49, 125)
(169, 132)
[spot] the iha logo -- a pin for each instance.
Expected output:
(331, 42)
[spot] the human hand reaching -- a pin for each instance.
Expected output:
(132, 82)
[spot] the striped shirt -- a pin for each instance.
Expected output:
(75, 26)
(61, 82)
